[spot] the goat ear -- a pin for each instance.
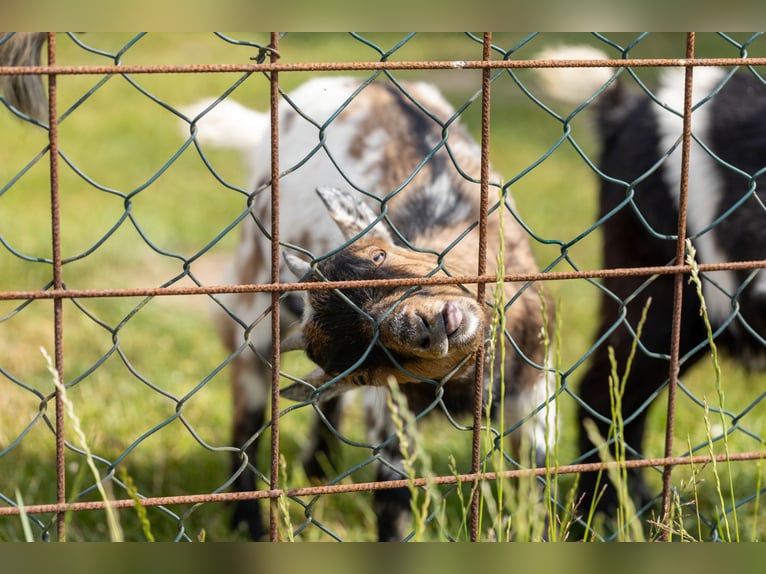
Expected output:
(304, 391)
(301, 392)
(298, 266)
(352, 214)
(294, 342)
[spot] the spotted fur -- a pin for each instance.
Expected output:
(374, 189)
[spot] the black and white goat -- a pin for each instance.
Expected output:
(385, 186)
(23, 92)
(640, 159)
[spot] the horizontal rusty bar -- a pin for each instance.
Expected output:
(402, 282)
(378, 65)
(384, 485)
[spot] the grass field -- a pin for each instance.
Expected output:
(137, 213)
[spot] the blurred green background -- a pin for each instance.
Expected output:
(137, 211)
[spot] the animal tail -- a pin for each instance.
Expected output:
(26, 93)
(226, 125)
(573, 85)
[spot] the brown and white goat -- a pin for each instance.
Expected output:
(640, 159)
(24, 93)
(380, 183)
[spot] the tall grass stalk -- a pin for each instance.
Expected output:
(628, 527)
(143, 519)
(411, 448)
(719, 491)
(695, 278)
(551, 486)
(115, 530)
(629, 530)
(464, 505)
(24, 517)
(497, 346)
(284, 511)
(696, 494)
(626, 510)
(525, 521)
(758, 486)
(675, 524)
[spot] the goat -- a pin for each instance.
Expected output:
(641, 162)
(398, 175)
(25, 93)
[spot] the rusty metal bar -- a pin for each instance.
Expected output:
(361, 284)
(58, 284)
(675, 340)
(275, 314)
(478, 389)
(378, 65)
(58, 292)
(383, 485)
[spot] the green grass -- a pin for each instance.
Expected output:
(127, 401)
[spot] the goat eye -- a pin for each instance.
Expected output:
(378, 256)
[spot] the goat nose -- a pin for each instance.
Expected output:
(421, 329)
(431, 334)
(453, 318)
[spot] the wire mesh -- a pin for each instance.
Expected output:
(115, 228)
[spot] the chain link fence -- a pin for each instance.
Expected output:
(115, 229)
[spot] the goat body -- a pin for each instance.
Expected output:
(398, 198)
(641, 157)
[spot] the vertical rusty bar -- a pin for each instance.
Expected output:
(275, 315)
(481, 287)
(679, 283)
(58, 283)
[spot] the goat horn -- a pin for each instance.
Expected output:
(294, 342)
(297, 392)
(351, 214)
(298, 266)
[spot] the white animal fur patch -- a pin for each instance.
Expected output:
(705, 187)
(227, 125)
(541, 429)
(572, 85)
